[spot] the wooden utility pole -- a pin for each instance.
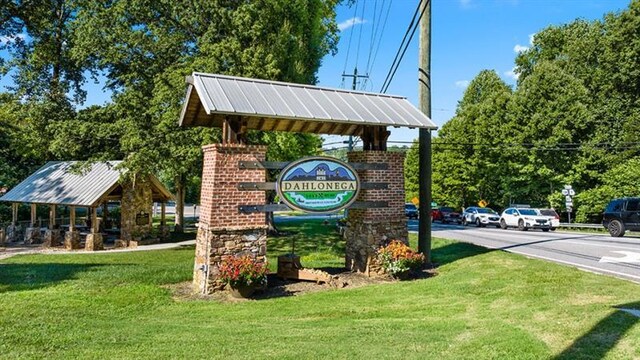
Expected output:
(424, 95)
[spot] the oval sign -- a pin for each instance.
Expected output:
(318, 185)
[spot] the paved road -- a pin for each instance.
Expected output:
(619, 257)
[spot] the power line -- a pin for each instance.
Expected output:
(399, 55)
(384, 24)
(346, 60)
(364, 5)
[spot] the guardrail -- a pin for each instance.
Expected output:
(581, 226)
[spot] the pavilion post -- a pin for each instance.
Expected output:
(164, 229)
(94, 239)
(53, 235)
(13, 230)
(72, 237)
(32, 233)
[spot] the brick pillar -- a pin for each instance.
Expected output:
(223, 231)
(368, 229)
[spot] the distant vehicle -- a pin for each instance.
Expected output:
(410, 211)
(524, 219)
(553, 216)
(445, 215)
(622, 215)
(480, 216)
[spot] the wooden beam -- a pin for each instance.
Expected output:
(14, 214)
(306, 126)
(72, 218)
(94, 220)
(260, 123)
(33, 215)
(332, 128)
(52, 217)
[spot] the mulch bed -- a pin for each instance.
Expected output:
(278, 287)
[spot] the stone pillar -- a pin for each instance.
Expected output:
(72, 240)
(94, 239)
(32, 233)
(13, 233)
(136, 210)
(52, 237)
(223, 231)
(2, 237)
(368, 229)
(72, 237)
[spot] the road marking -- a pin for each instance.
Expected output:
(601, 245)
(629, 257)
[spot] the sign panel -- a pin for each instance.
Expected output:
(415, 201)
(142, 218)
(318, 185)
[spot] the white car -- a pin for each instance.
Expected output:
(552, 215)
(524, 219)
(480, 216)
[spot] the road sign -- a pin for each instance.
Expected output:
(565, 192)
(483, 203)
(567, 187)
(572, 192)
(568, 198)
(415, 201)
(569, 209)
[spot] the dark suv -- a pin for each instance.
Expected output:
(622, 215)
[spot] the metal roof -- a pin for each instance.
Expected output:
(280, 106)
(56, 184)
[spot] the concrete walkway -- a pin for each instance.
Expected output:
(38, 249)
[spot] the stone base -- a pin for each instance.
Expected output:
(72, 240)
(53, 238)
(164, 231)
(121, 243)
(93, 242)
(363, 239)
(214, 245)
(32, 236)
(14, 233)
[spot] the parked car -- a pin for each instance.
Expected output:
(410, 211)
(445, 215)
(480, 216)
(622, 215)
(524, 219)
(553, 216)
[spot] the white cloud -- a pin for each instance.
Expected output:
(531, 38)
(512, 74)
(520, 48)
(462, 84)
(9, 39)
(350, 22)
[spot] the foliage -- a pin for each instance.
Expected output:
(397, 258)
(243, 270)
(573, 118)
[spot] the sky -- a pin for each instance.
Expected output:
(467, 36)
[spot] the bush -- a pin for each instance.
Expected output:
(244, 270)
(397, 258)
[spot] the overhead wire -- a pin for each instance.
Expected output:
(346, 60)
(401, 52)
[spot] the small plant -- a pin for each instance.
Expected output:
(397, 258)
(244, 270)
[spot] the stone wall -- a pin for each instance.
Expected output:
(368, 229)
(215, 245)
(223, 231)
(136, 202)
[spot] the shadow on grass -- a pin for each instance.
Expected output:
(604, 336)
(18, 277)
(456, 251)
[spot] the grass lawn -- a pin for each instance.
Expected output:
(482, 305)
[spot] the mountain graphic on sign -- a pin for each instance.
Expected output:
(338, 174)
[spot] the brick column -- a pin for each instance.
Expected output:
(368, 229)
(223, 231)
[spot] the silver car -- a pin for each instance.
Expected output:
(480, 217)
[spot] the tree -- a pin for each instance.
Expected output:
(146, 49)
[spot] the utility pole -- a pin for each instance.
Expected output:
(424, 95)
(355, 77)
